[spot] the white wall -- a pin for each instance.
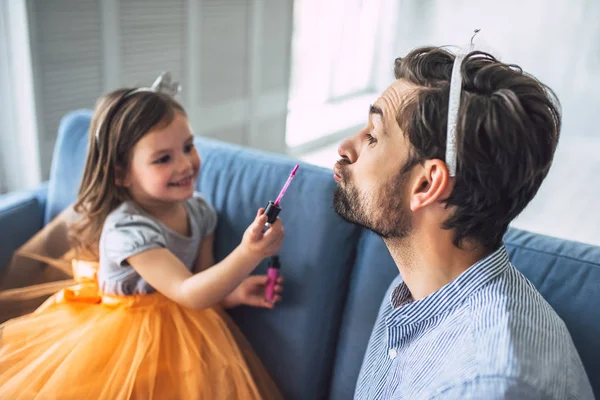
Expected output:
(558, 41)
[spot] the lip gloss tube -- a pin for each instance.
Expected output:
(272, 274)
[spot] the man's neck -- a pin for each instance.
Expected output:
(427, 262)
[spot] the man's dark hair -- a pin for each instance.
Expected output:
(507, 131)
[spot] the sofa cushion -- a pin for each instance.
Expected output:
(296, 340)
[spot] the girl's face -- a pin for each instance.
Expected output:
(164, 164)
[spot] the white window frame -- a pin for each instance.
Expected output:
(319, 113)
(19, 150)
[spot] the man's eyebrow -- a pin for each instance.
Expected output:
(376, 110)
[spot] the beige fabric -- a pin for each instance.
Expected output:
(39, 268)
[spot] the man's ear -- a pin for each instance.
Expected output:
(430, 184)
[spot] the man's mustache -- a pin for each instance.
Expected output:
(340, 167)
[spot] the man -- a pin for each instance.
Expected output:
(444, 164)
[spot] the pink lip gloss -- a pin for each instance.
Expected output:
(272, 209)
(272, 274)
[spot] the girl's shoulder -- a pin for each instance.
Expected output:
(198, 203)
(128, 231)
(202, 213)
(128, 213)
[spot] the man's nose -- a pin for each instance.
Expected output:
(348, 149)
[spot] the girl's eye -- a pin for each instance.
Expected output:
(163, 160)
(188, 148)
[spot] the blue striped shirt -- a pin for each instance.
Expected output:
(489, 334)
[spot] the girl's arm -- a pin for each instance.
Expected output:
(244, 293)
(206, 258)
(163, 271)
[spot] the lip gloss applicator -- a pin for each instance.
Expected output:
(272, 210)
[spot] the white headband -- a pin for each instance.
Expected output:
(162, 84)
(453, 105)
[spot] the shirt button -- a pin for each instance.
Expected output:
(392, 353)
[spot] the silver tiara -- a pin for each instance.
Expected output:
(453, 106)
(162, 84)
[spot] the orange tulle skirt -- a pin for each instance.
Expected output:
(81, 344)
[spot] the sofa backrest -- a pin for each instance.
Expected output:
(296, 340)
(372, 273)
(567, 274)
(68, 161)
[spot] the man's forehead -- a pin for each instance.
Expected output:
(390, 100)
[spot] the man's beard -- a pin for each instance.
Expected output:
(384, 213)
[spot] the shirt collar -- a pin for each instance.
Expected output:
(406, 311)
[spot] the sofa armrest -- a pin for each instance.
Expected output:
(41, 193)
(21, 216)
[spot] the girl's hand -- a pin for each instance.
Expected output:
(251, 292)
(259, 243)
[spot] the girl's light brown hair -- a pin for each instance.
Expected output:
(120, 120)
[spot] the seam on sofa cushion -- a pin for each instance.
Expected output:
(597, 265)
(22, 204)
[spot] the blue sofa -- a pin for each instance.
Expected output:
(337, 273)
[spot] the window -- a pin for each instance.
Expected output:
(334, 54)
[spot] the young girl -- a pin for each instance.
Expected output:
(147, 321)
